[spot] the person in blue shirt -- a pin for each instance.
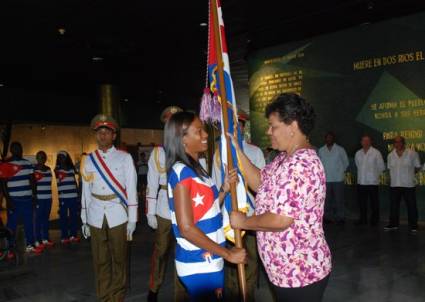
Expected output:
(20, 190)
(68, 198)
(43, 181)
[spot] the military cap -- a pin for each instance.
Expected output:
(168, 112)
(103, 120)
(243, 115)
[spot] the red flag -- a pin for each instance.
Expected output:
(8, 170)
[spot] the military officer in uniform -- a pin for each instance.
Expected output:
(256, 156)
(109, 209)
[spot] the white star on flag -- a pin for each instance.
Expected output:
(198, 199)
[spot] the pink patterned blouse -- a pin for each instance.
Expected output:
(294, 186)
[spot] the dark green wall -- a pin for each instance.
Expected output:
(354, 79)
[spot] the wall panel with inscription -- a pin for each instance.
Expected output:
(367, 79)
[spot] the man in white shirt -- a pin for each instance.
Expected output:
(369, 165)
(109, 209)
(403, 164)
(256, 156)
(335, 161)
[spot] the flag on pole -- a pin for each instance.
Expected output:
(211, 111)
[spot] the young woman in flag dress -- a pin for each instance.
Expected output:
(195, 210)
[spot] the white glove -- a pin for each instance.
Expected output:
(85, 229)
(131, 226)
(151, 213)
(152, 221)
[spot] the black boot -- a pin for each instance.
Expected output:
(152, 297)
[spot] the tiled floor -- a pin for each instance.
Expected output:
(369, 265)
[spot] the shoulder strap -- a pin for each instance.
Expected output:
(160, 169)
(108, 177)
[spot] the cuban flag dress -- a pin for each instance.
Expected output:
(200, 271)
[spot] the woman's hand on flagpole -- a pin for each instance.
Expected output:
(234, 140)
(230, 178)
(237, 255)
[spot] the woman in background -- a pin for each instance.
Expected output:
(68, 198)
(43, 182)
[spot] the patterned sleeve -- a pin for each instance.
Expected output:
(290, 192)
(181, 174)
(264, 171)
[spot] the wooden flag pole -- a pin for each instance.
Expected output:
(224, 104)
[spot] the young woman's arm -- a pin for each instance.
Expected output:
(188, 229)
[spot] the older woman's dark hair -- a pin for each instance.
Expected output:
(174, 131)
(291, 107)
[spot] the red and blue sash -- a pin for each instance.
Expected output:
(108, 177)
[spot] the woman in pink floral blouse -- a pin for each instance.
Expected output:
(289, 205)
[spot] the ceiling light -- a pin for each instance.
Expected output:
(203, 24)
(97, 59)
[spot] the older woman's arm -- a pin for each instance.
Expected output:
(188, 229)
(267, 222)
(251, 172)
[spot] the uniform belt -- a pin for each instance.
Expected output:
(163, 187)
(104, 197)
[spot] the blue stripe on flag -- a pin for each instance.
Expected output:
(19, 189)
(207, 226)
(187, 256)
(68, 191)
(67, 183)
(19, 177)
